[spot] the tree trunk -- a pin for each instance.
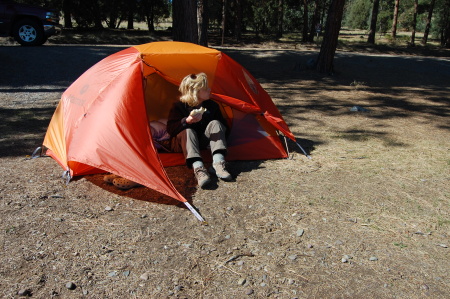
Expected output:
(373, 22)
(444, 24)
(445, 41)
(280, 19)
(428, 25)
(330, 39)
(224, 14)
(305, 21)
(67, 11)
(413, 33)
(184, 22)
(97, 14)
(315, 22)
(238, 24)
(130, 17)
(395, 20)
(203, 22)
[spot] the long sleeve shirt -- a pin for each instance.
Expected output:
(180, 112)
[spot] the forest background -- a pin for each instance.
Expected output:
(264, 19)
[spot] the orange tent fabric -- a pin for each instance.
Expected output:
(101, 123)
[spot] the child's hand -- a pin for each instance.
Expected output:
(195, 115)
(193, 118)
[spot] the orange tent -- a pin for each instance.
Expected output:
(101, 123)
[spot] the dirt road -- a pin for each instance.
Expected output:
(368, 216)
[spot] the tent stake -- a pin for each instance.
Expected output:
(199, 217)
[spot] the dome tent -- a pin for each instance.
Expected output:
(101, 123)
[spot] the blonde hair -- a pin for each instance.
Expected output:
(190, 87)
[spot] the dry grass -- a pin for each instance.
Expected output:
(377, 186)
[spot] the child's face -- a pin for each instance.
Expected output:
(204, 94)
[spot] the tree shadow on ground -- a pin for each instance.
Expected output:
(390, 80)
(23, 130)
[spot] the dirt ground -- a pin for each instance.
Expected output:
(367, 217)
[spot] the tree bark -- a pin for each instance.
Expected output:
(184, 23)
(305, 21)
(428, 25)
(130, 17)
(238, 24)
(315, 22)
(413, 33)
(224, 15)
(113, 16)
(280, 18)
(373, 22)
(67, 12)
(203, 22)
(395, 20)
(330, 39)
(444, 24)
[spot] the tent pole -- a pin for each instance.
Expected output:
(309, 157)
(287, 148)
(199, 217)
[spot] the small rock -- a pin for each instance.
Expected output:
(310, 246)
(249, 292)
(54, 294)
(144, 276)
(263, 284)
(178, 288)
(425, 287)
(71, 286)
(112, 274)
(24, 293)
(373, 258)
(126, 273)
(300, 232)
(344, 260)
(292, 257)
(443, 245)
(242, 281)
(108, 209)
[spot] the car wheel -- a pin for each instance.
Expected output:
(28, 32)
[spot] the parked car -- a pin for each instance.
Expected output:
(29, 25)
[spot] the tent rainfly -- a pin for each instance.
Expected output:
(103, 120)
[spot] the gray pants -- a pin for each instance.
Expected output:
(189, 142)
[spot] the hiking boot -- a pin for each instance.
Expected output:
(221, 171)
(202, 176)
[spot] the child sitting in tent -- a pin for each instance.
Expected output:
(196, 122)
